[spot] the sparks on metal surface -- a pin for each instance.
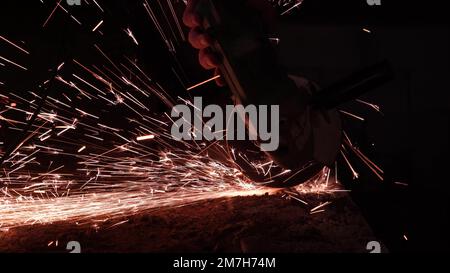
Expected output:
(78, 165)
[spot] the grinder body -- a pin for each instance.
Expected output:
(309, 138)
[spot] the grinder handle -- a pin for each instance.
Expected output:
(353, 86)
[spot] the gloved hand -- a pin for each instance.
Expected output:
(201, 41)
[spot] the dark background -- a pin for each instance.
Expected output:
(323, 41)
(411, 139)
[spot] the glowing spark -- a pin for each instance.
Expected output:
(177, 21)
(275, 40)
(369, 163)
(352, 115)
(355, 174)
(60, 66)
(100, 8)
(129, 33)
(15, 45)
(321, 206)
(142, 138)
(155, 21)
(316, 212)
(204, 82)
(97, 26)
(299, 2)
(371, 105)
(118, 224)
(13, 63)
(298, 199)
(51, 14)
